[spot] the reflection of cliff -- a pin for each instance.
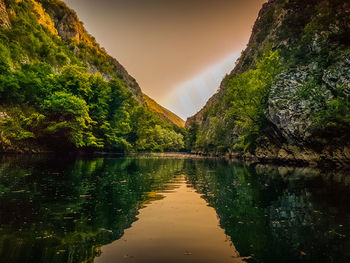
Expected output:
(277, 214)
(57, 210)
(308, 229)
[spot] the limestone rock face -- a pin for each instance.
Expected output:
(4, 17)
(337, 77)
(289, 110)
(69, 27)
(292, 112)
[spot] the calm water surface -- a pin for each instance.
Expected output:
(153, 209)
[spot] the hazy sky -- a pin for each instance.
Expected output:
(178, 50)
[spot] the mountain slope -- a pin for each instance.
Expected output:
(163, 113)
(66, 30)
(69, 27)
(287, 97)
(59, 90)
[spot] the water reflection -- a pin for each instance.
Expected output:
(65, 209)
(278, 214)
(178, 228)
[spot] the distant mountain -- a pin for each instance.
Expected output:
(287, 98)
(163, 113)
(59, 90)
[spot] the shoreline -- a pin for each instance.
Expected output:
(248, 158)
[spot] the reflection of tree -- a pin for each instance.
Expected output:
(230, 191)
(57, 210)
(276, 214)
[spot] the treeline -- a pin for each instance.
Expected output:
(74, 109)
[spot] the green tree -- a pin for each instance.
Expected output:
(68, 117)
(247, 96)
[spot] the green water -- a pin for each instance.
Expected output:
(153, 209)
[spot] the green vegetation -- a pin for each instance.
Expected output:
(334, 117)
(74, 109)
(50, 101)
(244, 104)
(247, 96)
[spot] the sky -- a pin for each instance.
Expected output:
(177, 50)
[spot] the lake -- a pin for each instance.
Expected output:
(169, 210)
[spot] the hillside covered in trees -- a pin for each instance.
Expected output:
(162, 112)
(59, 90)
(288, 96)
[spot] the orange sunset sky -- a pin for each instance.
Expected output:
(178, 51)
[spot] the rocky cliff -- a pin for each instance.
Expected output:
(305, 114)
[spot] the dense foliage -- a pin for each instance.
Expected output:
(49, 100)
(76, 109)
(244, 104)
